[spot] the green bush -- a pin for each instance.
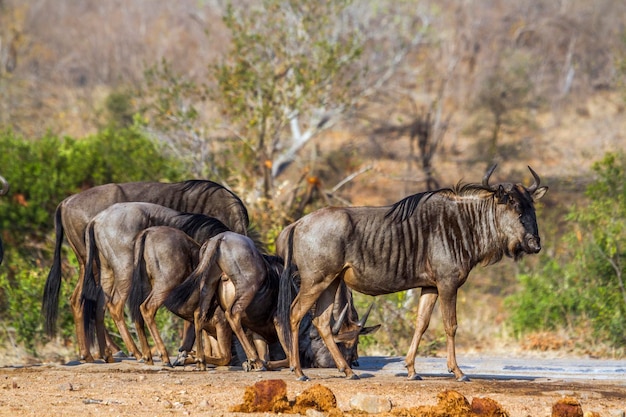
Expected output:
(582, 288)
(21, 286)
(41, 173)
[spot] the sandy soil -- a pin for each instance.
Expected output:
(128, 388)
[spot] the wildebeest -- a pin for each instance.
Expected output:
(163, 258)
(246, 284)
(430, 240)
(233, 271)
(3, 191)
(73, 214)
(110, 238)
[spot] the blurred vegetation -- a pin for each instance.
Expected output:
(41, 173)
(582, 288)
(236, 90)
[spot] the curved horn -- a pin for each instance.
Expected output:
(5, 185)
(363, 320)
(488, 175)
(340, 320)
(536, 183)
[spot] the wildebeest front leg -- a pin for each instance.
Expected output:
(427, 301)
(448, 311)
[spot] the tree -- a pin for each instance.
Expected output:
(285, 80)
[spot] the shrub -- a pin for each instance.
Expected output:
(583, 286)
(41, 173)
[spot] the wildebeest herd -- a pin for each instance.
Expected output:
(185, 246)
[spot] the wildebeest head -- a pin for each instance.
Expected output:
(516, 214)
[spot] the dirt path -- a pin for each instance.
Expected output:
(127, 388)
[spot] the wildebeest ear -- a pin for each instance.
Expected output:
(501, 195)
(369, 330)
(345, 337)
(539, 192)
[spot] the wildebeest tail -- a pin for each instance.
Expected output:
(91, 290)
(138, 286)
(180, 295)
(285, 292)
(50, 304)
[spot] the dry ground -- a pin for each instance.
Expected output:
(128, 388)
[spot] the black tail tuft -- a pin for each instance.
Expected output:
(139, 287)
(179, 296)
(50, 304)
(91, 289)
(285, 293)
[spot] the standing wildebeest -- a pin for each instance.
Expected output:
(430, 240)
(110, 239)
(3, 191)
(73, 214)
(246, 285)
(163, 258)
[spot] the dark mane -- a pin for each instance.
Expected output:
(203, 185)
(195, 224)
(207, 188)
(274, 265)
(405, 208)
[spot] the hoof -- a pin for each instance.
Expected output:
(120, 354)
(246, 366)
(353, 377)
(414, 377)
(181, 358)
(303, 378)
(464, 378)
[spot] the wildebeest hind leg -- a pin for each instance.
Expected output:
(189, 337)
(148, 311)
(77, 312)
(321, 320)
(299, 307)
(101, 332)
(427, 301)
(117, 313)
(234, 319)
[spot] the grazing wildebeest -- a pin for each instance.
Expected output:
(110, 239)
(232, 270)
(163, 258)
(430, 240)
(3, 191)
(73, 214)
(246, 284)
